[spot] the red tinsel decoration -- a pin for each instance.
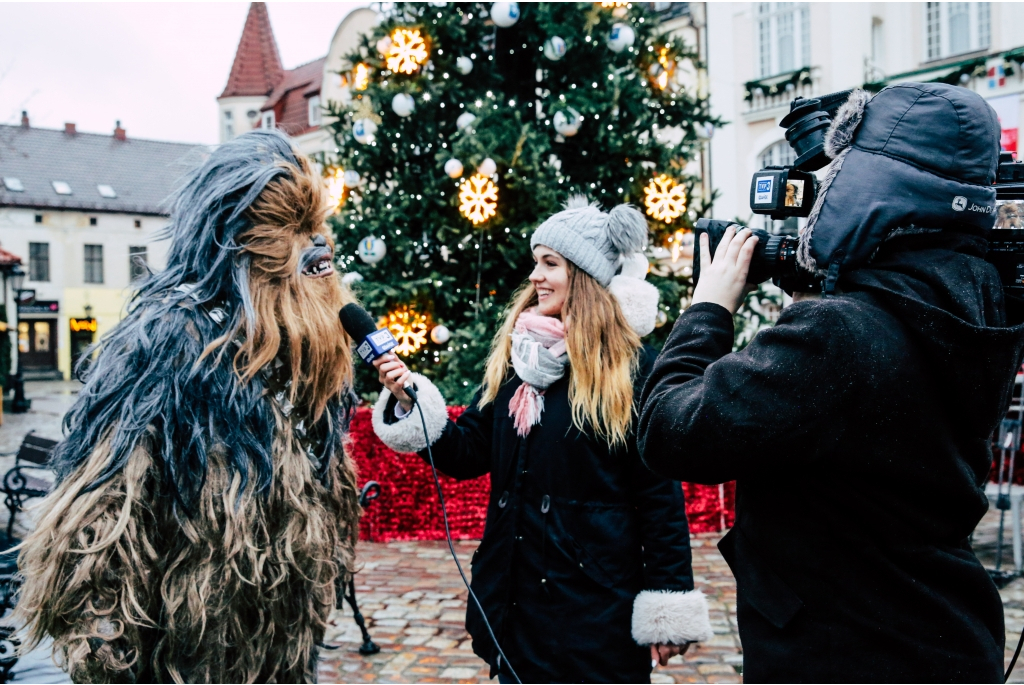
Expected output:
(408, 508)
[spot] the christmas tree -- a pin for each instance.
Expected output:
(464, 125)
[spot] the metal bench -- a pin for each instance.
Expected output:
(34, 454)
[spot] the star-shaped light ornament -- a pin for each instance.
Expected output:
(478, 198)
(409, 327)
(408, 51)
(664, 198)
(362, 108)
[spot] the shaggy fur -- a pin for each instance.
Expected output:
(664, 617)
(204, 508)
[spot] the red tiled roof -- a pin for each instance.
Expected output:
(8, 258)
(290, 99)
(257, 67)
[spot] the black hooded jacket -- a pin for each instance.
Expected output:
(858, 431)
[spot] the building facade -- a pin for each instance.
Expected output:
(85, 212)
(761, 55)
(261, 93)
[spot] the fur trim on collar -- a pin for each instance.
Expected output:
(803, 254)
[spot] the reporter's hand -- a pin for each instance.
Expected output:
(393, 375)
(724, 279)
(662, 653)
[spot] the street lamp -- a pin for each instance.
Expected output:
(20, 404)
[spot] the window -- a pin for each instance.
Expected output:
(39, 262)
(268, 119)
(314, 111)
(877, 43)
(137, 262)
(953, 28)
(93, 264)
(92, 221)
(138, 223)
(783, 37)
(13, 184)
(779, 154)
(106, 191)
(229, 125)
(61, 187)
(39, 218)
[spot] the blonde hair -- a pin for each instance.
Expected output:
(603, 356)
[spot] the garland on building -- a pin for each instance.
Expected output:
(463, 125)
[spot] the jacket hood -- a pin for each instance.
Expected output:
(916, 154)
(939, 285)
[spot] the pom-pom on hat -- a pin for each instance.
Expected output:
(592, 240)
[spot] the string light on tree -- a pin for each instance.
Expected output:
(664, 198)
(478, 198)
(361, 77)
(409, 327)
(408, 50)
(335, 180)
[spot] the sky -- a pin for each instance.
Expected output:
(156, 67)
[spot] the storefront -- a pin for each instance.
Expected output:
(37, 337)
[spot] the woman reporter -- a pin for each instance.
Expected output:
(584, 568)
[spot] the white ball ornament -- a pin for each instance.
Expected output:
(554, 48)
(504, 14)
(453, 168)
(567, 123)
(621, 37)
(351, 178)
(383, 45)
(351, 277)
(661, 318)
(487, 167)
(371, 250)
(403, 104)
(363, 131)
(440, 334)
(464, 120)
(464, 65)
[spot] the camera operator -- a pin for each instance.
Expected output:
(858, 427)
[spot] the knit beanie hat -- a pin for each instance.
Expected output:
(603, 244)
(592, 240)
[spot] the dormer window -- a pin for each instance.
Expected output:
(315, 114)
(61, 187)
(106, 191)
(13, 184)
(268, 119)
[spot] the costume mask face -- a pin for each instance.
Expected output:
(295, 291)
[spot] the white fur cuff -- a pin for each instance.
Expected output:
(663, 616)
(638, 301)
(406, 435)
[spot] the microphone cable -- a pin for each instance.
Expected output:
(504, 662)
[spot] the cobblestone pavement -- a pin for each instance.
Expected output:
(415, 602)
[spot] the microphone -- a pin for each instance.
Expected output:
(372, 342)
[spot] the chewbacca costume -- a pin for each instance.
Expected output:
(204, 508)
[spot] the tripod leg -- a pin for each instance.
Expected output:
(369, 646)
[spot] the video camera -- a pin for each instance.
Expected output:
(790, 191)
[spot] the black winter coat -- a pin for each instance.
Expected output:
(574, 532)
(858, 432)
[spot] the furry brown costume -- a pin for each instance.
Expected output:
(205, 509)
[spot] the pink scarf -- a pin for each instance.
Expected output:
(539, 358)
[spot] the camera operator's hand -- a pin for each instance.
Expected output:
(393, 376)
(723, 280)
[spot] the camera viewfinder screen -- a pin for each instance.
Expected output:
(1009, 214)
(794, 193)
